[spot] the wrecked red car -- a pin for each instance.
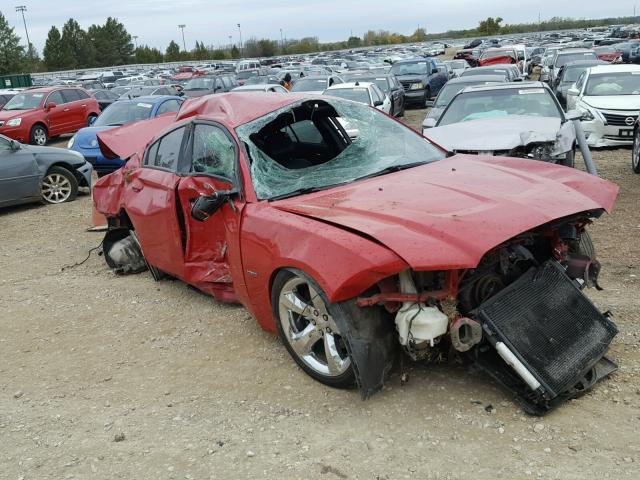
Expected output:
(359, 247)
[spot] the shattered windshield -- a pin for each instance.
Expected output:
(616, 83)
(315, 144)
(483, 104)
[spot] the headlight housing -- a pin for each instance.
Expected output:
(417, 86)
(14, 122)
(586, 114)
(72, 140)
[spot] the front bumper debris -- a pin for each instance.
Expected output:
(546, 339)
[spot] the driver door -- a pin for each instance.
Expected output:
(19, 176)
(211, 250)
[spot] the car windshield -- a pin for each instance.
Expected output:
(381, 82)
(138, 92)
(256, 80)
(573, 57)
(616, 83)
(484, 104)
(451, 89)
(200, 83)
(572, 74)
(119, 113)
(246, 74)
(316, 144)
(414, 68)
(309, 85)
(478, 71)
(356, 94)
(606, 49)
(24, 101)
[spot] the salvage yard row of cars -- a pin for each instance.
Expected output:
(353, 237)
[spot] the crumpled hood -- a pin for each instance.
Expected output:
(449, 213)
(9, 114)
(127, 140)
(503, 133)
(613, 102)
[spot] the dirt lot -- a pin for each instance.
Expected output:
(109, 377)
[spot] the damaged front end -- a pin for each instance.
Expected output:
(520, 315)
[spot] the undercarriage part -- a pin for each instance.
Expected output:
(122, 252)
(465, 334)
(584, 148)
(556, 335)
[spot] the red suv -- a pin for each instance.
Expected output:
(33, 116)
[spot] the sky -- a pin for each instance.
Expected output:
(155, 22)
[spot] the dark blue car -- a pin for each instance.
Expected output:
(421, 79)
(117, 114)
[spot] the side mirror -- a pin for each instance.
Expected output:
(207, 205)
(429, 123)
(436, 70)
(378, 103)
(51, 105)
(573, 91)
(14, 145)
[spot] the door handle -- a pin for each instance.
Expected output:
(83, 105)
(66, 110)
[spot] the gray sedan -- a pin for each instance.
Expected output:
(32, 174)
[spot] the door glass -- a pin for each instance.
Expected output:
(214, 152)
(56, 97)
(169, 150)
(169, 106)
(4, 145)
(70, 95)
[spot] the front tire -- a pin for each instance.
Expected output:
(90, 119)
(59, 186)
(568, 160)
(305, 323)
(427, 98)
(38, 135)
(635, 153)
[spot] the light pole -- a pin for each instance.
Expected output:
(240, 32)
(22, 9)
(281, 40)
(181, 27)
(135, 39)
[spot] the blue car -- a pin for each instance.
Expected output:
(117, 114)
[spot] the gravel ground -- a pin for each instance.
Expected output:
(109, 377)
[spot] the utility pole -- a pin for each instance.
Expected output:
(181, 27)
(22, 9)
(230, 42)
(281, 40)
(240, 32)
(135, 39)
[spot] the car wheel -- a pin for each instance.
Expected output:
(304, 319)
(568, 160)
(38, 135)
(427, 97)
(585, 247)
(59, 186)
(635, 153)
(91, 119)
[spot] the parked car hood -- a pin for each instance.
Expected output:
(74, 158)
(613, 102)
(503, 133)
(87, 137)
(449, 213)
(9, 114)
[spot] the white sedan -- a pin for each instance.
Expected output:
(362, 92)
(608, 97)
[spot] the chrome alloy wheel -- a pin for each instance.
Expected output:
(635, 155)
(310, 329)
(56, 188)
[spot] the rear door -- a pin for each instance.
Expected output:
(19, 176)
(212, 246)
(151, 203)
(57, 117)
(75, 109)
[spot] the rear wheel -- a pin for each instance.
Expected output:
(304, 319)
(59, 186)
(38, 135)
(91, 119)
(568, 160)
(635, 154)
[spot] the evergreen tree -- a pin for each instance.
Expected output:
(173, 52)
(54, 56)
(11, 53)
(76, 44)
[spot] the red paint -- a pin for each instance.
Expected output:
(501, 60)
(442, 216)
(66, 117)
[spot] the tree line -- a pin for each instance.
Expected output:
(72, 47)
